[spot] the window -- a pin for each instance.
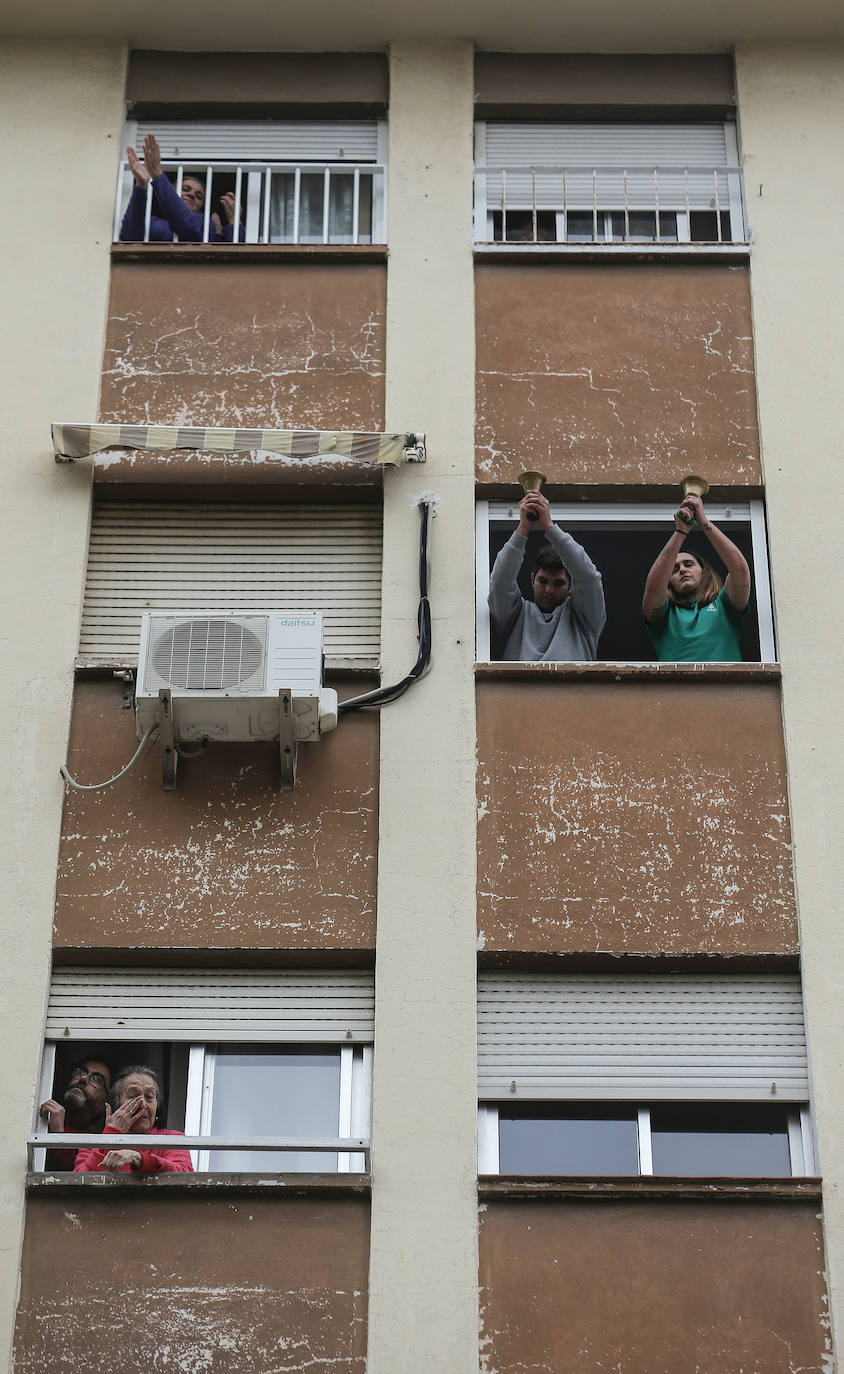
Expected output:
(208, 556)
(316, 182)
(622, 541)
(728, 1139)
(604, 184)
(666, 1074)
(280, 1056)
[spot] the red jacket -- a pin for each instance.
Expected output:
(152, 1161)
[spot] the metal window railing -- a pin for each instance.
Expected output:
(277, 202)
(610, 204)
(357, 1145)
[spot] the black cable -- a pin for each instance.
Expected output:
(382, 696)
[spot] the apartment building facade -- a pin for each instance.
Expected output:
(553, 945)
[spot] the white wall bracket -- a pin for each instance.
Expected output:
(288, 748)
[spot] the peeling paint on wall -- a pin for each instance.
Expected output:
(298, 347)
(227, 860)
(633, 818)
(615, 374)
(191, 1286)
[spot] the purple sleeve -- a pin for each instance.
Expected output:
(132, 228)
(228, 233)
(188, 224)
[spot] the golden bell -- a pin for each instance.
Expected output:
(532, 481)
(694, 486)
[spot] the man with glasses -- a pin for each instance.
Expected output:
(82, 1108)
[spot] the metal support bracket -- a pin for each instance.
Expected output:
(167, 739)
(288, 747)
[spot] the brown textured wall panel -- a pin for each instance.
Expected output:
(615, 373)
(226, 861)
(298, 346)
(548, 85)
(652, 1288)
(138, 1283)
(633, 818)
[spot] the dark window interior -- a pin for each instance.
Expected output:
(742, 1140)
(624, 556)
(169, 1062)
(554, 1139)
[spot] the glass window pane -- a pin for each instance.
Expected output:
(550, 1139)
(261, 1091)
(641, 226)
(741, 1140)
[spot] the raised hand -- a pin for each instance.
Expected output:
(152, 155)
(534, 513)
(137, 168)
(54, 1112)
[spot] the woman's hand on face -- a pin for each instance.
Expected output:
(125, 1119)
(116, 1160)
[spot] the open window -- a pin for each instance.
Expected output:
(622, 540)
(293, 182)
(267, 1071)
(671, 1075)
(604, 184)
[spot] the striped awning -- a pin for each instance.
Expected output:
(72, 441)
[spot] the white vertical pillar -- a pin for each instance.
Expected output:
(791, 103)
(61, 112)
(423, 1268)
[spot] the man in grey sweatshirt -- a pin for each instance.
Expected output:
(567, 614)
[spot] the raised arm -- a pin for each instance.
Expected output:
(737, 582)
(656, 583)
(587, 586)
(505, 599)
(132, 228)
(188, 224)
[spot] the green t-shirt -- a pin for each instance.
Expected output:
(698, 634)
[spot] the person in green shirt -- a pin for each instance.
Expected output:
(690, 616)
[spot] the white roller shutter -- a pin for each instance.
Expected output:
(159, 556)
(279, 1006)
(263, 140)
(607, 150)
(654, 1037)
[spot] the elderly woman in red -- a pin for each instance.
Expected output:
(136, 1092)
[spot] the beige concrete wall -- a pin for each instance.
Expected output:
(423, 1272)
(791, 103)
(60, 109)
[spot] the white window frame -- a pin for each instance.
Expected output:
(252, 175)
(657, 515)
(800, 1146)
(734, 207)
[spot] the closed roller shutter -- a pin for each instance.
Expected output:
(264, 141)
(660, 1037)
(160, 556)
(295, 1006)
(608, 149)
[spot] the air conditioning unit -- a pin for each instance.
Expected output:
(225, 670)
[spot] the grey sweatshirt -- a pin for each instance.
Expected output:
(571, 631)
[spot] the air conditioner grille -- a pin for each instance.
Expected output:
(210, 654)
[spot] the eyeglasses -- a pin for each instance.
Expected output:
(91, 1074)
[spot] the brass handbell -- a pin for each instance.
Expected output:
(532, 481)
(693, 486)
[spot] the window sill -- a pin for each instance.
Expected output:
(248, 252)
(594, 252)
(634, 672)
(295, 1184)
(741, 1189)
